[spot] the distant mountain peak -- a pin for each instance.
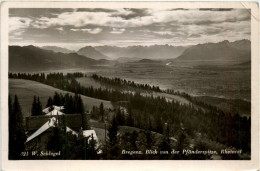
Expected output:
(91, 52)
(56, 49)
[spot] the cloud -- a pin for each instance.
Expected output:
(91, 31)
(130, 13)
(95, 10)
(163, 32)
(117, 31)
(139, 17)
(185, 26)
(60, 29)
(17, 23)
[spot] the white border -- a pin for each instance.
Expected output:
(252, 164)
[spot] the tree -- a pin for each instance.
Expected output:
(49, 102)
(165, 144)
(85, 122)
(92, 151)
(120, 117)
(133, 138)
(129, 119)
(56, 140)
(112, 135)
(158, 123)
(56, 99)
(148, 135)
(71, 108)
(78, 104)
(34, 107)
(101, 111)
(182, 143)
(94, 113)
(66, 103)
(17, 135)
(39, 107)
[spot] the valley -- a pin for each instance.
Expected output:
(218, 81)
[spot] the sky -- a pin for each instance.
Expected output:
(75, 28)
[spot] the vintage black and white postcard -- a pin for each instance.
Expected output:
(144, 84)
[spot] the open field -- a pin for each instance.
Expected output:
(26, 89)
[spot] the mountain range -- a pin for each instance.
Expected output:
(225, 51)
(56, 49)
(91, 52)
(31, 58)
(142, 52)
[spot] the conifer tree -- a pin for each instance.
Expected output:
(56, 99)
(165, 144)
(81, 109)
(149, 136)
(120, 117)
(17, 135)
(39, 107)
(34, 107)
(112, 135)
(66, 103)
(49, 102)
(92, 151)
(101, 111)
(129, 119)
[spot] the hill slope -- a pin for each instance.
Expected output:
(225, 51)
(26, 89)
(91, 52)
(30, 58)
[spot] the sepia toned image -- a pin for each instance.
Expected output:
(130, 83)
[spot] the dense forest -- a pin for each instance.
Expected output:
(187, 124)
(124, 83)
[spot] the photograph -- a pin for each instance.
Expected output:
(130, 83)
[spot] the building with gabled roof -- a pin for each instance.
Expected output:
(53, 107)
(41, 126)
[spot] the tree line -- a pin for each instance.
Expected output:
(124, 83)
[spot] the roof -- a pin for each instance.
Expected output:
(55, 112)
(46, 126)
(42, 129)
(59, 108)
(72, 131)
